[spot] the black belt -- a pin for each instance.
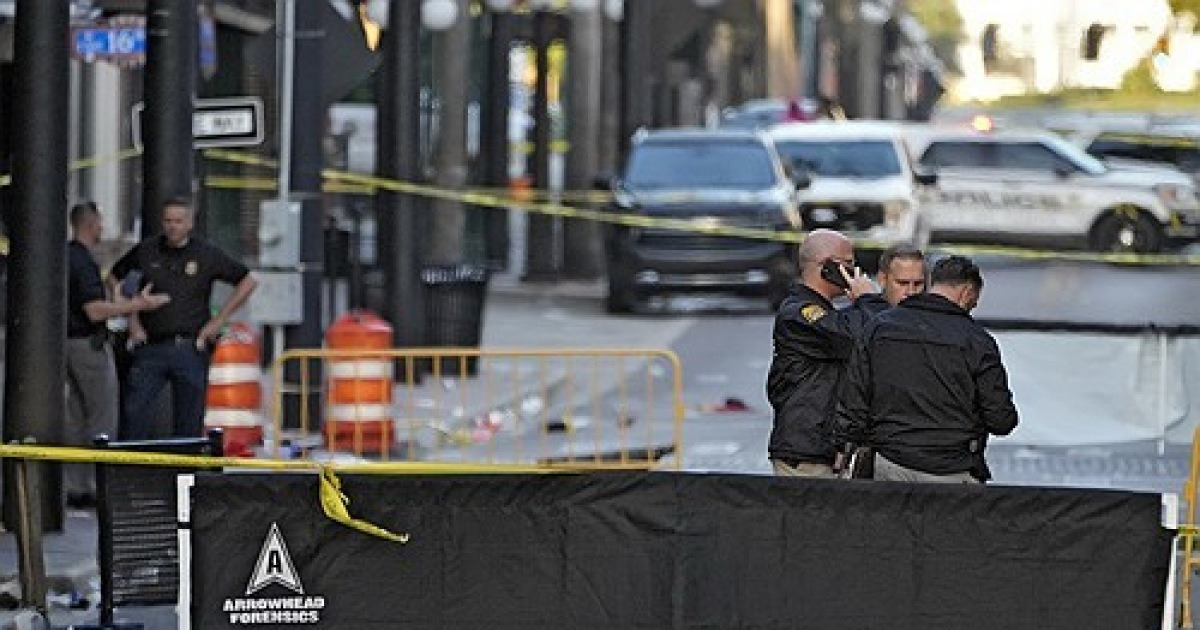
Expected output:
(172, 340)
(794, 462)
(97, 339)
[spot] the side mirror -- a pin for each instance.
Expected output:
(925, 178)
(1063, 172)
(802, 178)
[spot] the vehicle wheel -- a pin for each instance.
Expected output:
(622, 295)
(1128, 231)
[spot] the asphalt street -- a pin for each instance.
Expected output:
(724, 345)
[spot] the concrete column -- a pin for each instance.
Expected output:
(170, 75)
(398, 148)
(583, 249)
(35, 372)
(104, 141)
(452, 67)
(783, 67)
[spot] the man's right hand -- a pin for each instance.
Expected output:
(859, 283)
(148, 301)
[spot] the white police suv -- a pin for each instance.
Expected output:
(863, 183)
(1035, 188)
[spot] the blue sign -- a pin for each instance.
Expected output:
(110, 42)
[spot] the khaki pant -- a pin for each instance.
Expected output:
(887, 470)
(803, 469)
(91, 406)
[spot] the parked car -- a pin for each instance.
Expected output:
(1170, 147)
(1034, 187)
(863, 181)
(755, 114)
(711, 178)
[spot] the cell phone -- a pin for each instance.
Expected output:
(831, 271)
(131, 284)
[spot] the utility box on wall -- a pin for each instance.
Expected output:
(279, 234)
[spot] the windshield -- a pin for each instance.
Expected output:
(831, 158)
(1087, 163)
(737, 164)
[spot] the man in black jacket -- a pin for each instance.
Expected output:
(927, 386)
(901, 274)
(812, 342)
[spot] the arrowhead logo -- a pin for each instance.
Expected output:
(274, 565)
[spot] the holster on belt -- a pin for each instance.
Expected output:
(98, 339)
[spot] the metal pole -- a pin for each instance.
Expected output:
(495, 136)
(285, 59)
(542, 257)
(37, 272)
(399, 151)
(1162, 393)
(170, 78)
(583, 246)
(104, 526)
(304, 162)
(638, 71)
(29, 535)
(447, 218)
(285, 15)
(810, 62)
(609, 143)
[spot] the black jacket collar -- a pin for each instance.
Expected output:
(805, 292)
(933, 302)
(872, 303)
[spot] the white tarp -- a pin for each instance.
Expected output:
(1088, 388)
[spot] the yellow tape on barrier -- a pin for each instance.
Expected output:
(334, 502)
(71, 454)
(337, 507)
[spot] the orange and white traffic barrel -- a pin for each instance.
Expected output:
(358, 398)
(234, 396)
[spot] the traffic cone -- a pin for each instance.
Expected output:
(234, 395)
(358, 403)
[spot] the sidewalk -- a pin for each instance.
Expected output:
(516, 315)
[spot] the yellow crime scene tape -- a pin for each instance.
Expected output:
(334, 502)
(75, 165)
(510, 203)
(553, 203)
(490, 198)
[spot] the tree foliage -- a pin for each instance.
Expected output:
(944, 24)
(1140, 79)
(1180, 6)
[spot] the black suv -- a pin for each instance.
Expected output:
(1180, 149)
(713, 179)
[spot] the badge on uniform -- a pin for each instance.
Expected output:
(812, 312)
(191, 268)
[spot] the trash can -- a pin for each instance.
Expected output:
(454, 299)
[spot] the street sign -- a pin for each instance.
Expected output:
(125, 43)
(218, 122)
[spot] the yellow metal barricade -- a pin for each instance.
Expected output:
(1188, 530)
(579, 408)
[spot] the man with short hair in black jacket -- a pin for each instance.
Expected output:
(812, 342)
(926, 385)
